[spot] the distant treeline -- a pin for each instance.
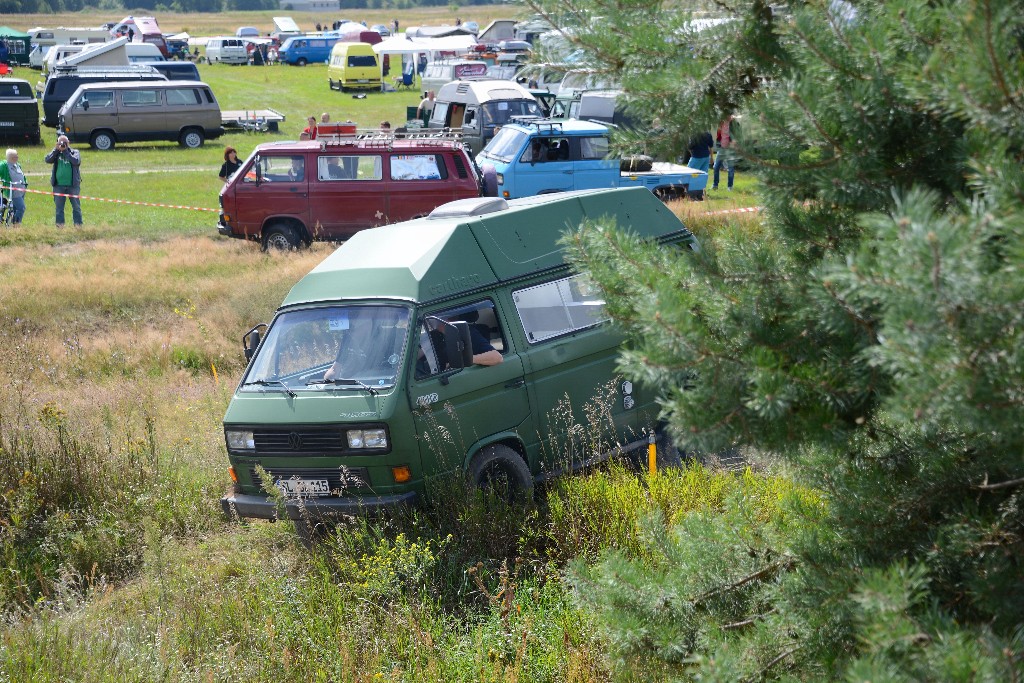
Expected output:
(139, 6)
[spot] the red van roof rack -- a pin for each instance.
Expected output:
(371, 137)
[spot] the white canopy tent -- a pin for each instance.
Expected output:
(407, 47)
(400, 45)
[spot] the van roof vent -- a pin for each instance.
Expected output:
(474, 206)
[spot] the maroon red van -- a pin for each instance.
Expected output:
(287, 194)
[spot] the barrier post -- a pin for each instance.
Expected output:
(652, 454)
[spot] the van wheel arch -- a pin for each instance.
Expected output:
(489, 176)
(301, 61)
(192, 138)
(283, 235)
(501, 465)
(103, 140)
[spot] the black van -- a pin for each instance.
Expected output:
(64, 81)
(176, 71)
(19, 114)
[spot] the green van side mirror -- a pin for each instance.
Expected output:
(452, 344)
(251, 340)
(458, 344)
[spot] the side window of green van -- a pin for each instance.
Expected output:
(484, 329)
(558, 307)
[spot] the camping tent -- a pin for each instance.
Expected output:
(400, 45)
(18, 45)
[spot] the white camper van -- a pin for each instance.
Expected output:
(42, 39)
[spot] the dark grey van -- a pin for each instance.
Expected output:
(19, 113)
(176, 71)
(63, 82)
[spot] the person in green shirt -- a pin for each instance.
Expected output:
(12, 186)
(66, 179)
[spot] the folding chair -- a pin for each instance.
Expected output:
(408, 81)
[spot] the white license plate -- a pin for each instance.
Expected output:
(7, 123)
(363, 80)
(304, 487)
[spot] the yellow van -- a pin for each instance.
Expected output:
(355, 66)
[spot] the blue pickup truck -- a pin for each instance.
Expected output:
(529, 157)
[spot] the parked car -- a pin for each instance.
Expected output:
(247, 32)
(287, 194)
(103, 114)
(354, 66)
(383, 30)
(19, 111)
(176, 71)
(531, 157)
(478, 107)
(64, 81)
(364, 386)
(303, 50)
(226, 51)
(440, 73)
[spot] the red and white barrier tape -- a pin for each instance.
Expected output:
(111, 201)
(746, 209)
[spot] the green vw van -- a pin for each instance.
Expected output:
(456, 343)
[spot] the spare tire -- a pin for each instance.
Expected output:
(490, 176)
(636, 163)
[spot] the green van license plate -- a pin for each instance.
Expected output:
(304, 487)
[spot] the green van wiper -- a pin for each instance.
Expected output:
(336, 382)
(272, 382)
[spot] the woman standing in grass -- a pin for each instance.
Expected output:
(230, 165)
(12, 185)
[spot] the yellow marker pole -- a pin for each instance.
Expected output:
(652, 454)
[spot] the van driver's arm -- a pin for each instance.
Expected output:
(483, 352)
(492, 357)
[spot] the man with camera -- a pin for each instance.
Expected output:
(66, 179)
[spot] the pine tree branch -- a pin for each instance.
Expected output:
(1001, 485)
(997, 72)
(747, 622)
(856, 75)
(856, 317)
(779, 658)
(784, 564)
(817, 124)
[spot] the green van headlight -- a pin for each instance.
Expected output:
(367, 438)
(240, 440)
(375, 438)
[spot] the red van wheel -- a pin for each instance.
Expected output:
(280, 237)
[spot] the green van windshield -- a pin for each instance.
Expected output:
(337, 346)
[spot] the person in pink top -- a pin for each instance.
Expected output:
(725, 157)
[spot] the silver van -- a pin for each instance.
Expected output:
(224, 50)
(103, 114)
(440, 73)
(479, 106)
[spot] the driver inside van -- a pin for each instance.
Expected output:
(483, 352)
(296, 172)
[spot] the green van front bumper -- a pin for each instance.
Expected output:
(261, 507)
